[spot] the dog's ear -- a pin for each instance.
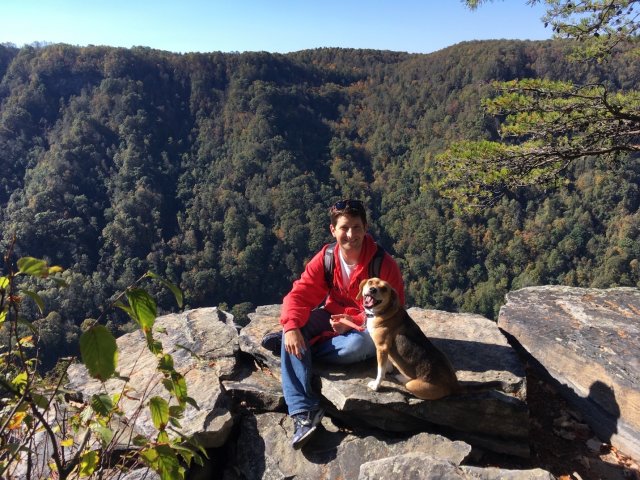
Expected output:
(394, 297)
(359, 296)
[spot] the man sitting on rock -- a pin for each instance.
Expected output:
(330, 333)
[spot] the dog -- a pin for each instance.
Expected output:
(427, 372)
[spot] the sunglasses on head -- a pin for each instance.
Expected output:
(343, 204)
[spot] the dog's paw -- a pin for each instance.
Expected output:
(373, 385)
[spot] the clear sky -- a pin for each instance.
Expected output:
(416, 26)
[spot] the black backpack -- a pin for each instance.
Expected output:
(329, 263)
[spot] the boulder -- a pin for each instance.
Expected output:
(493, 473)
(426, 467)
(139, 474)
(204, 346)
(410, 465)
(263, 450)
(588, 340)
(257, 388)
(494, 420)
(263, 320)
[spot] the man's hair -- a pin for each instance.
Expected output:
(354, 208)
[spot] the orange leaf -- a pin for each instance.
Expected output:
(16, 421)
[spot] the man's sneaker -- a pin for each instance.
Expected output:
(305, 424)
(273, 342)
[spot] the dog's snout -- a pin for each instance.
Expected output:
(372, 290)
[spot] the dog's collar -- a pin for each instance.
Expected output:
(369, 313)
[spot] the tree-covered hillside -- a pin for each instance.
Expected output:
(217, 170)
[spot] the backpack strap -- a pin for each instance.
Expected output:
(376, 262)
(329, 264)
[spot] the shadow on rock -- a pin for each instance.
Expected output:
(606, 425)
(477, 357)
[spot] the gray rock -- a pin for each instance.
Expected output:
(263, 450)
(410, 466)
(263, 320)
(258, 389)
(139, 474)
(494, 420)
(493, 473)
(419, 466)
(589, 341)
(203, 346)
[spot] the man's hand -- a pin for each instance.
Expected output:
(338, 326)
(294, 343)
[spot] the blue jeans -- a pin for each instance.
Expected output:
(351, 347)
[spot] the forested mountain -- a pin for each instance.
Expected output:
(217, 170)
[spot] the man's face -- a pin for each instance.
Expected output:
(349, 232)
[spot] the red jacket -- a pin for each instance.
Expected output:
(309, 291)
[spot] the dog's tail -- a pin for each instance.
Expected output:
(484, 386)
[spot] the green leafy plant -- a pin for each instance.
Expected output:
(83, 438)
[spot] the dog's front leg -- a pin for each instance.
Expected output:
(383, 359)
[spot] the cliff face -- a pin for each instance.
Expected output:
(367, 434)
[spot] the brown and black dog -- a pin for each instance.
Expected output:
(398, 338)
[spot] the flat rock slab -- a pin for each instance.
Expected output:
(493, 420)
(140, 474)
(263, 450)
(589, 341)
(424, 467)
(203, 344)
(493, 473)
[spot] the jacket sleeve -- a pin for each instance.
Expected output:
(390, 272)
(305, 295)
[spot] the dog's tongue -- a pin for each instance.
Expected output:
(368, 301)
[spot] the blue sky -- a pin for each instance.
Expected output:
(416, 26)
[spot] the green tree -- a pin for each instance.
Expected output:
(547, 125)
(216, 171)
